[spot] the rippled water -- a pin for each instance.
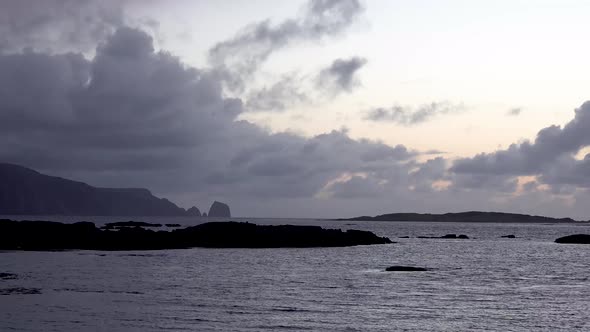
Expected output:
(485, 283)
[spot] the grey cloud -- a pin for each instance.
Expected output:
(530, 158)
(279, 96)
(136, 117)
(514, 111)
(340, 75)
(407, 116)
(57, 25)
(240, 56)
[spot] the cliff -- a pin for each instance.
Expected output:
(24, 191)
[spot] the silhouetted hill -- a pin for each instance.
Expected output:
(471, 216)
(25, 191)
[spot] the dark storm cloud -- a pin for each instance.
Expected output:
(57, 25)
(407, 116)
(340, 75)
(240, 56)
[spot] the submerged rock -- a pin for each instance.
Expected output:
(511, 236)
(7, 276)
(400, 268)
(575, 239)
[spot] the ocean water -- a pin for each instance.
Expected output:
(486, 283)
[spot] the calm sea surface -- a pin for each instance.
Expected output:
(486, 283)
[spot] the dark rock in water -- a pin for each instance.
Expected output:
(219, 210)
(7, 276)
(47, 235)
(19, 290)
(399, 268)
(194, 211)
(172, 225)
(511, 236)
(446, 236)
(404, 237)
(131, 224)
(575, 239)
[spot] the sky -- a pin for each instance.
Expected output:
(313, 108)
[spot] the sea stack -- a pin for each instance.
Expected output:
(194, 211)
(219, 210)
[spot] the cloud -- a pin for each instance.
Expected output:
(550, 158)
(407, 116)
(340, 75)
(57, 25)
(514, 111)
(240, 57)
(279, 96)
(133, 116)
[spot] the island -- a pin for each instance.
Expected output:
(470, 216)
(48, 235)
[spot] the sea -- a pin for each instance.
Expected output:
(485, 283)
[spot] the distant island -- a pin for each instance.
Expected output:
(24, 191)
(48, 235)
(470, 216)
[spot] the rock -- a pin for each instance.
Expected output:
(172, 225)
(575, 239)
(511, 236)
(130, 224)
(400, 268)
(204, 215)
(20, 291)
(404, 237)
(446, 236)
(194, 211)
(47, 235)
(219, 210)
(7, 276)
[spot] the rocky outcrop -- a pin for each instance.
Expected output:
(24, 191)
(219, 210)
(446, 236)
(193, 212)
(575, 239)
(400, 268)
(46, 235)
